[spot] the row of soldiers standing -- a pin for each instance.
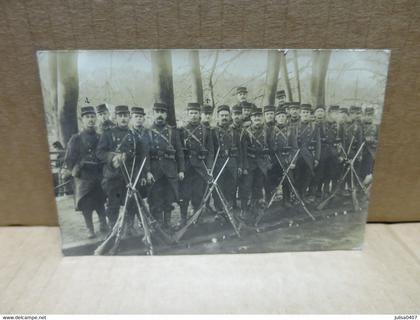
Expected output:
(249, 149)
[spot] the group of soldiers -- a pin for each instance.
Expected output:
(247, 152)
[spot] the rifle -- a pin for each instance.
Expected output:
(283, 176)
(116, 231)
(341, 181)
(178, 235)
(295, 191)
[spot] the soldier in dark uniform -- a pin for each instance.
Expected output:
(293, 111)
(237, 127)
(206, 115)
(85, 167)
(167, 165)
(227, 139)
(247, 107)
(354, 137)
(141, 134)
(370, 133)
(198, 147)
(281, 97)
(333, 140)
(307, 139)
(257, 143)
(285, 153)
(118, 148)
(320, 171)
(104, 118)
(273, 173)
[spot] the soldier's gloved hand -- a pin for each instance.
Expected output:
(150, 178)
(244, 172)
(181, 176)
(143, 182)
(65, 173)
(316, 162)
(292, 166)
(117, 160)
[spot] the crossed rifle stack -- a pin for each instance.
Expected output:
(151, 227)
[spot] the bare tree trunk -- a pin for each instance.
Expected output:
(271, 80)
(320, 61)
(286, 78)
(67, 95)
(296, 65)
(197, 83)
(211, 85)
(163, 82)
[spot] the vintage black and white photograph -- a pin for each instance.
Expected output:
(169, 152)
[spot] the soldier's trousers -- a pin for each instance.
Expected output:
(88, 217)
(227, 185)
(116, 198)
(303, 176)
(252, 186)
(272, 181)
(162, 194)
(192, 189)
(319, 176)
(132, 205)
(332, 173)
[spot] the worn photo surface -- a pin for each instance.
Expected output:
(167, 152)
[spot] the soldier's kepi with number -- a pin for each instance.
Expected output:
(119, 147)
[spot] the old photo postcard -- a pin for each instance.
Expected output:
(157, 152)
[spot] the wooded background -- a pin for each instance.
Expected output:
(26, 192)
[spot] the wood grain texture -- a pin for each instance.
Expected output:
(383, 278)
(26, 193)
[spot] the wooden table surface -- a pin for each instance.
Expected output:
(383, 278)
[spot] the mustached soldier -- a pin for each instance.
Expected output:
(198, 147)
(257, 144)
(117, 149)
(307, 139)
(167, 165)
(105, 122)
(82, 163)
(247, 107)
(228, 142)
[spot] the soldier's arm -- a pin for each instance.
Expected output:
(317, 144)
(273, 140)
(143, 151)
(240, 150)
(104, 149)
(179, 151)
(210, 148)
(72, 155)
(244, 142)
